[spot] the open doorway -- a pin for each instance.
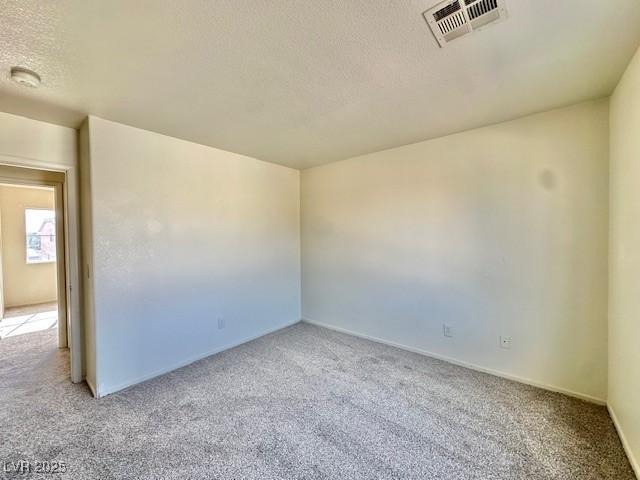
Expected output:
(33, 250)
(28, 264)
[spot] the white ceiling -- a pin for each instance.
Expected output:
(305, 82)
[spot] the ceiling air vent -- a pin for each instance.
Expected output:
(452, 19)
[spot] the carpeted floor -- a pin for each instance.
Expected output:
(301, 403)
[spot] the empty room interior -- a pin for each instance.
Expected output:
(28, 301)
(318, 239)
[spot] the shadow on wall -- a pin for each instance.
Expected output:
(547, 180)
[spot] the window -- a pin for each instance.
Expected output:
(40, 226)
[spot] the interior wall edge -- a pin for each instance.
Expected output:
(635, 465)
(92, 387)
(624, 262)
(86, 254)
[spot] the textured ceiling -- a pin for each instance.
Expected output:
(305, 82)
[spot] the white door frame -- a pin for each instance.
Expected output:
(64, 182)
(1, 274)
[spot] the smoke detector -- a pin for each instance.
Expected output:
(25, 77)
(453, 19)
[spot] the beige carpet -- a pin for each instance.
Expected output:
(303, 403)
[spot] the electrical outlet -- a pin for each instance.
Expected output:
(220, 323)
(505, 342)
(447, 331)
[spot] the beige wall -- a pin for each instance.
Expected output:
(624, 261)
(24, 284)
(496, 231)
(29, 143)
(184, 237)
(88, 317)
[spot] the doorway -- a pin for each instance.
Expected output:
(33, 280)
(28, 260)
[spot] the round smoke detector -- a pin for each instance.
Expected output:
(25, 77)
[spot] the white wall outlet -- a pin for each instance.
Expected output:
(220, 323)
(447, 331)
(505, 342)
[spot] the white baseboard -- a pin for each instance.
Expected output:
(497, 373)
(625, 444)
(92, 387)
(106, 390)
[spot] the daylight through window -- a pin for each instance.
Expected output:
(40, 235)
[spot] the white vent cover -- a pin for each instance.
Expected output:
(452, 19)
